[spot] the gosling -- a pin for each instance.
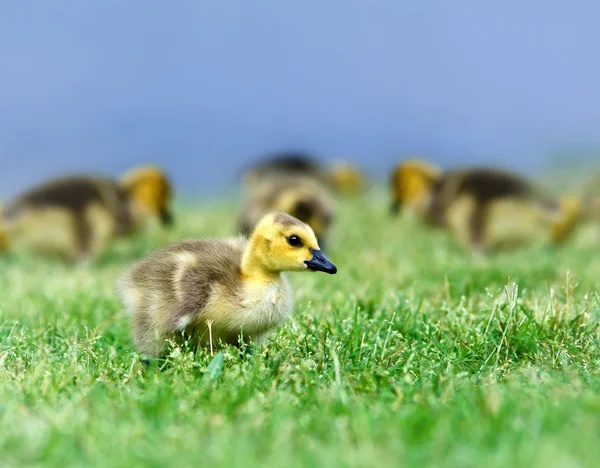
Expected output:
(230, 291)
(76, 217)
(301, 197)
(484, 209)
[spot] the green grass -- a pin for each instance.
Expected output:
(414, 354)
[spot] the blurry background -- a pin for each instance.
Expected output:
(202, 87)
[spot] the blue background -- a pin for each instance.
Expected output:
(202, 86)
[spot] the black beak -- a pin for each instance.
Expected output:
(166, 218)
(320, 262)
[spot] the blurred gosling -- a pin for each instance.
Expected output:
(301, 197)
(75, 217)
(215, 291)
(485, 209)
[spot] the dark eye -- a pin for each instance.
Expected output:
(294, 241)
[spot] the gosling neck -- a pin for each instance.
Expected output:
(253, 269)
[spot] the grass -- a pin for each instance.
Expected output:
(414, 354)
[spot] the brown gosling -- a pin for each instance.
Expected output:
(229, 291)
(76, 217)
(301, 197)
(485, 209)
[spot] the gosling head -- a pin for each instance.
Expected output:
(574, 210)
(281, 242)
(149, 188)
(412, 182)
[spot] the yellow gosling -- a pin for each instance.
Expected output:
(234, 286)
(484, 209)
(76, 217)
(301, 197)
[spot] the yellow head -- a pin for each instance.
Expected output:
(574, 211)
(150, 191)
(346, 178)
(570, 211)
(281, 242)
(412, 181)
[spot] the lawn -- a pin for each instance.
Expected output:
(414, 354)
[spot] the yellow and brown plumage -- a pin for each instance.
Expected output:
(341, 177)
(484, 208)
(411, 184)
(299, 196)
(75, 217)
(219, 290)
(150, 193)
(285, 164)
(346, 178)
(582, 209)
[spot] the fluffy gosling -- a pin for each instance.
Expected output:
(76, 217)
(484, 209)
(215, 291)
(301, 197)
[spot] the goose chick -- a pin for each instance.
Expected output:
(75, 217)
(483, 208)
(219, 290)
(301, 197)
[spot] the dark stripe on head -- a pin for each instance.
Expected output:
(285, 220)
